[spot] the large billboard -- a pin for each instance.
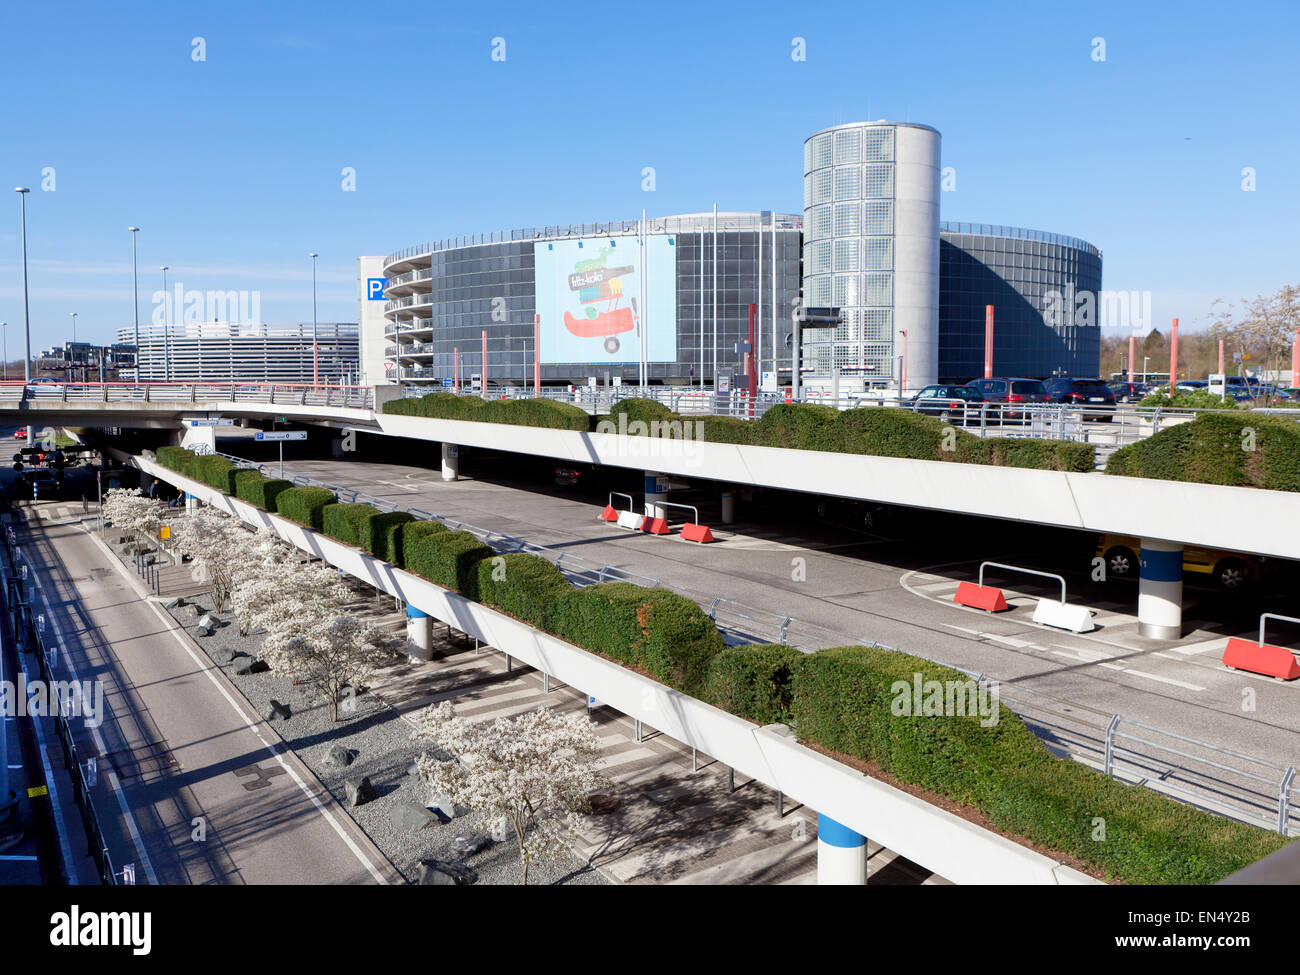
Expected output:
(589, 299)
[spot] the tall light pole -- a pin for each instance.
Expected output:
(71, 372)
(22, 192)
(315, 349)
(135, 289)
(167, 327)
(4, 332)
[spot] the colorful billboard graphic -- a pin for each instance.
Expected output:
(589, 299)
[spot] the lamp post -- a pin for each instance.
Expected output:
(1145, 360)
(315, 348)
(22, 192)
(167, 327)
(73, 316)
(135, 291)
(4, 332)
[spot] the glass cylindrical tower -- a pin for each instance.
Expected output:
(871, 248)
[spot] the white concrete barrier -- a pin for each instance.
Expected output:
(1068, 616)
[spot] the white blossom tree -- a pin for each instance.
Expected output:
(130, 510)
(532, 774)
(332, 656)
(221, 550)
(278, 585)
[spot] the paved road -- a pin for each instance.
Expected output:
(179, 750)
(898, 591)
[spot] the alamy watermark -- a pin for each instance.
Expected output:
(921, 698)
(676, 438)
(41, 699)
(181, 307)
(1129, 310)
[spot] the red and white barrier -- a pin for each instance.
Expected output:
(1261, 658)
(692, 532)
(988, 598)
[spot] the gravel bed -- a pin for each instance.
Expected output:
(384, 751)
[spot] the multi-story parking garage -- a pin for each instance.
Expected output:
(598, 290)
(912, 290)
(292, 352)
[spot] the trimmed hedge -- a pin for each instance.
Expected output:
(725, 429)
(1215, 448)
(642, 412)
(666, 635)
(522, 412)
(449, 559)
(304, 504)
(257, 490)
(1042, 455)
(344, 522)
(411, 536)
(528, 587)
(216, 472)
(174, 458)
(844, 700)
(801, 426)
(381, 536)
(754, 682)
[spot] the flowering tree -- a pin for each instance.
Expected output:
(130, 510)
(278, 586)
(329, 654)
(222, 551)
(532, 773)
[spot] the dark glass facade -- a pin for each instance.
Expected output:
(1018, 272)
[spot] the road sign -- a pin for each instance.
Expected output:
(165, 532)
(446, 381)
(281, 435)
(205, 422)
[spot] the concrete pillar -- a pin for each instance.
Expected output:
(419, 634)
(654, 482)
(728, 507)
(841, 853)
(450, 462)
(200, 437)
(1160, 590)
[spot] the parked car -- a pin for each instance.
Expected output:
(948, 402)
(1091, 394)
(867, 515)
(1010, 390)
(20, 433)
(1128, 392)
(1192, 385)
(1218, 568)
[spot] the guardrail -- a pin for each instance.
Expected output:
(287, 394)
(29, 636)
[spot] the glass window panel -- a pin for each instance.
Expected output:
(848, 146)
(846, 255)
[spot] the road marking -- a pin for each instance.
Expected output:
(207, 669)
(1205, 646)
(1164, 680)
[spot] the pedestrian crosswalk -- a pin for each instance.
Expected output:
(678, 820)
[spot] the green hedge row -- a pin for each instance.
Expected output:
(343, 522)
(522, 412)
(1244, 449)
(381, 535)
(260, 491)
(844, 699)
(304, 505)
(872, 431)
(174, 458)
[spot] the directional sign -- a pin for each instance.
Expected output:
(282, 435)
(206, 422)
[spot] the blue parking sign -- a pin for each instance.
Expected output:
(375, 288)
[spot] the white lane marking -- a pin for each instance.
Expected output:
(207, 669)
(1205, 646)
(109, 775)
(1164, 680)
(401, 487)
(1011, 641)
(936, 586)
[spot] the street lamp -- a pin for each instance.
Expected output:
(135, 290)
(22, 192)
(315, 353)
(73, 351)
(167, 327)
(4, 331)
(1145, 360)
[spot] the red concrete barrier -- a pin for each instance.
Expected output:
(697, 533)
(655, 526)
(980, 597)
(609, 514)
(1261, 659)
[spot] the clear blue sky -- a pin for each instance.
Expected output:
(232, 166)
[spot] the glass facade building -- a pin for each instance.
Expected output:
(1027, 276)
(241, 352)
(441, 297)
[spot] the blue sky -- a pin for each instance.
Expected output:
(232, 166)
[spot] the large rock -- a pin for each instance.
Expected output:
(359, 791)
(250, 665)
(202, 630)
(210, 621)
(408, 817)
(467, 846)
(447, 808)
(278, 710)
(434, 873)
(176, 602)
(340, 757)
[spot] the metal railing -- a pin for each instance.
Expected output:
(31, 637)
(288, 394)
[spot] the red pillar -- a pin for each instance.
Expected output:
(749, 357)
(1221, 372)
(537, 355)
(988, 341)
(1173, 358)
(483, 370)
(1295, 361)
(1132, 347)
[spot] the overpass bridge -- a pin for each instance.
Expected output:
(1165, 515)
